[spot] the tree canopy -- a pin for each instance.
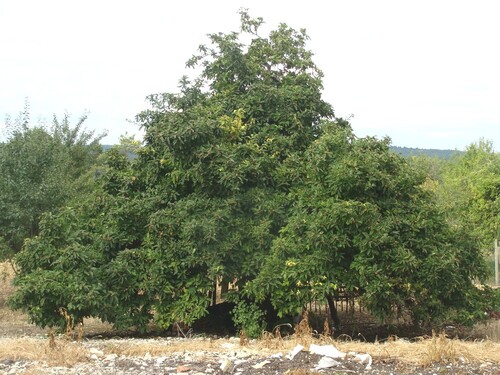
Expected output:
(42, 169)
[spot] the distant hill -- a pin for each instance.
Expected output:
(431, 152)
(404, 151)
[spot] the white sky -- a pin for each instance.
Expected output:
(425, 73)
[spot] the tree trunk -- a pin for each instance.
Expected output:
(333, 312)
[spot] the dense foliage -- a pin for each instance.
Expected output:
(246, 176)
(42, 169)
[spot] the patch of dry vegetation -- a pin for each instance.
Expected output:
(427, 350)
(159, 347)
(58, 353)
(11, 322)
(422, 352)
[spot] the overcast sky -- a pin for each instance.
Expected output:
(425, 73)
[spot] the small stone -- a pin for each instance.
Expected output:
(110, 357)
(96, 352)
(183, 368)
(242, 354)
(261, 364)
(160, 360)
(226, 366)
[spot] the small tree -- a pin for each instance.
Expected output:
(84, 261)
(41, 171)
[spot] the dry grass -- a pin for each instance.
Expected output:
(64, 353)
(489, 330)
(424, 351)
(6, 288)
(421, 352)
(159, 347)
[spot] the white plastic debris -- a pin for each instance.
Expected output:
(261, 364)
(294, 352)
(364, 359)
(326, 350)
(327, 362)
(277, 355)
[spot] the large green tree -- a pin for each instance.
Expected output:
(245, 176)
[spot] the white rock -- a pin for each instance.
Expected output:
(326, 350)
(261, 364)
(242, 354)
(327, 362)
(226, 366)
(110, 357)
(160, 360)
(147, 356)
(291, 355)
(97, 352)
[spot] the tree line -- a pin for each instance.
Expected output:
(245, 176)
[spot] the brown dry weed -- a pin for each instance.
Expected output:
(63, 353)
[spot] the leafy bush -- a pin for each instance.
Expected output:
(249, 318)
